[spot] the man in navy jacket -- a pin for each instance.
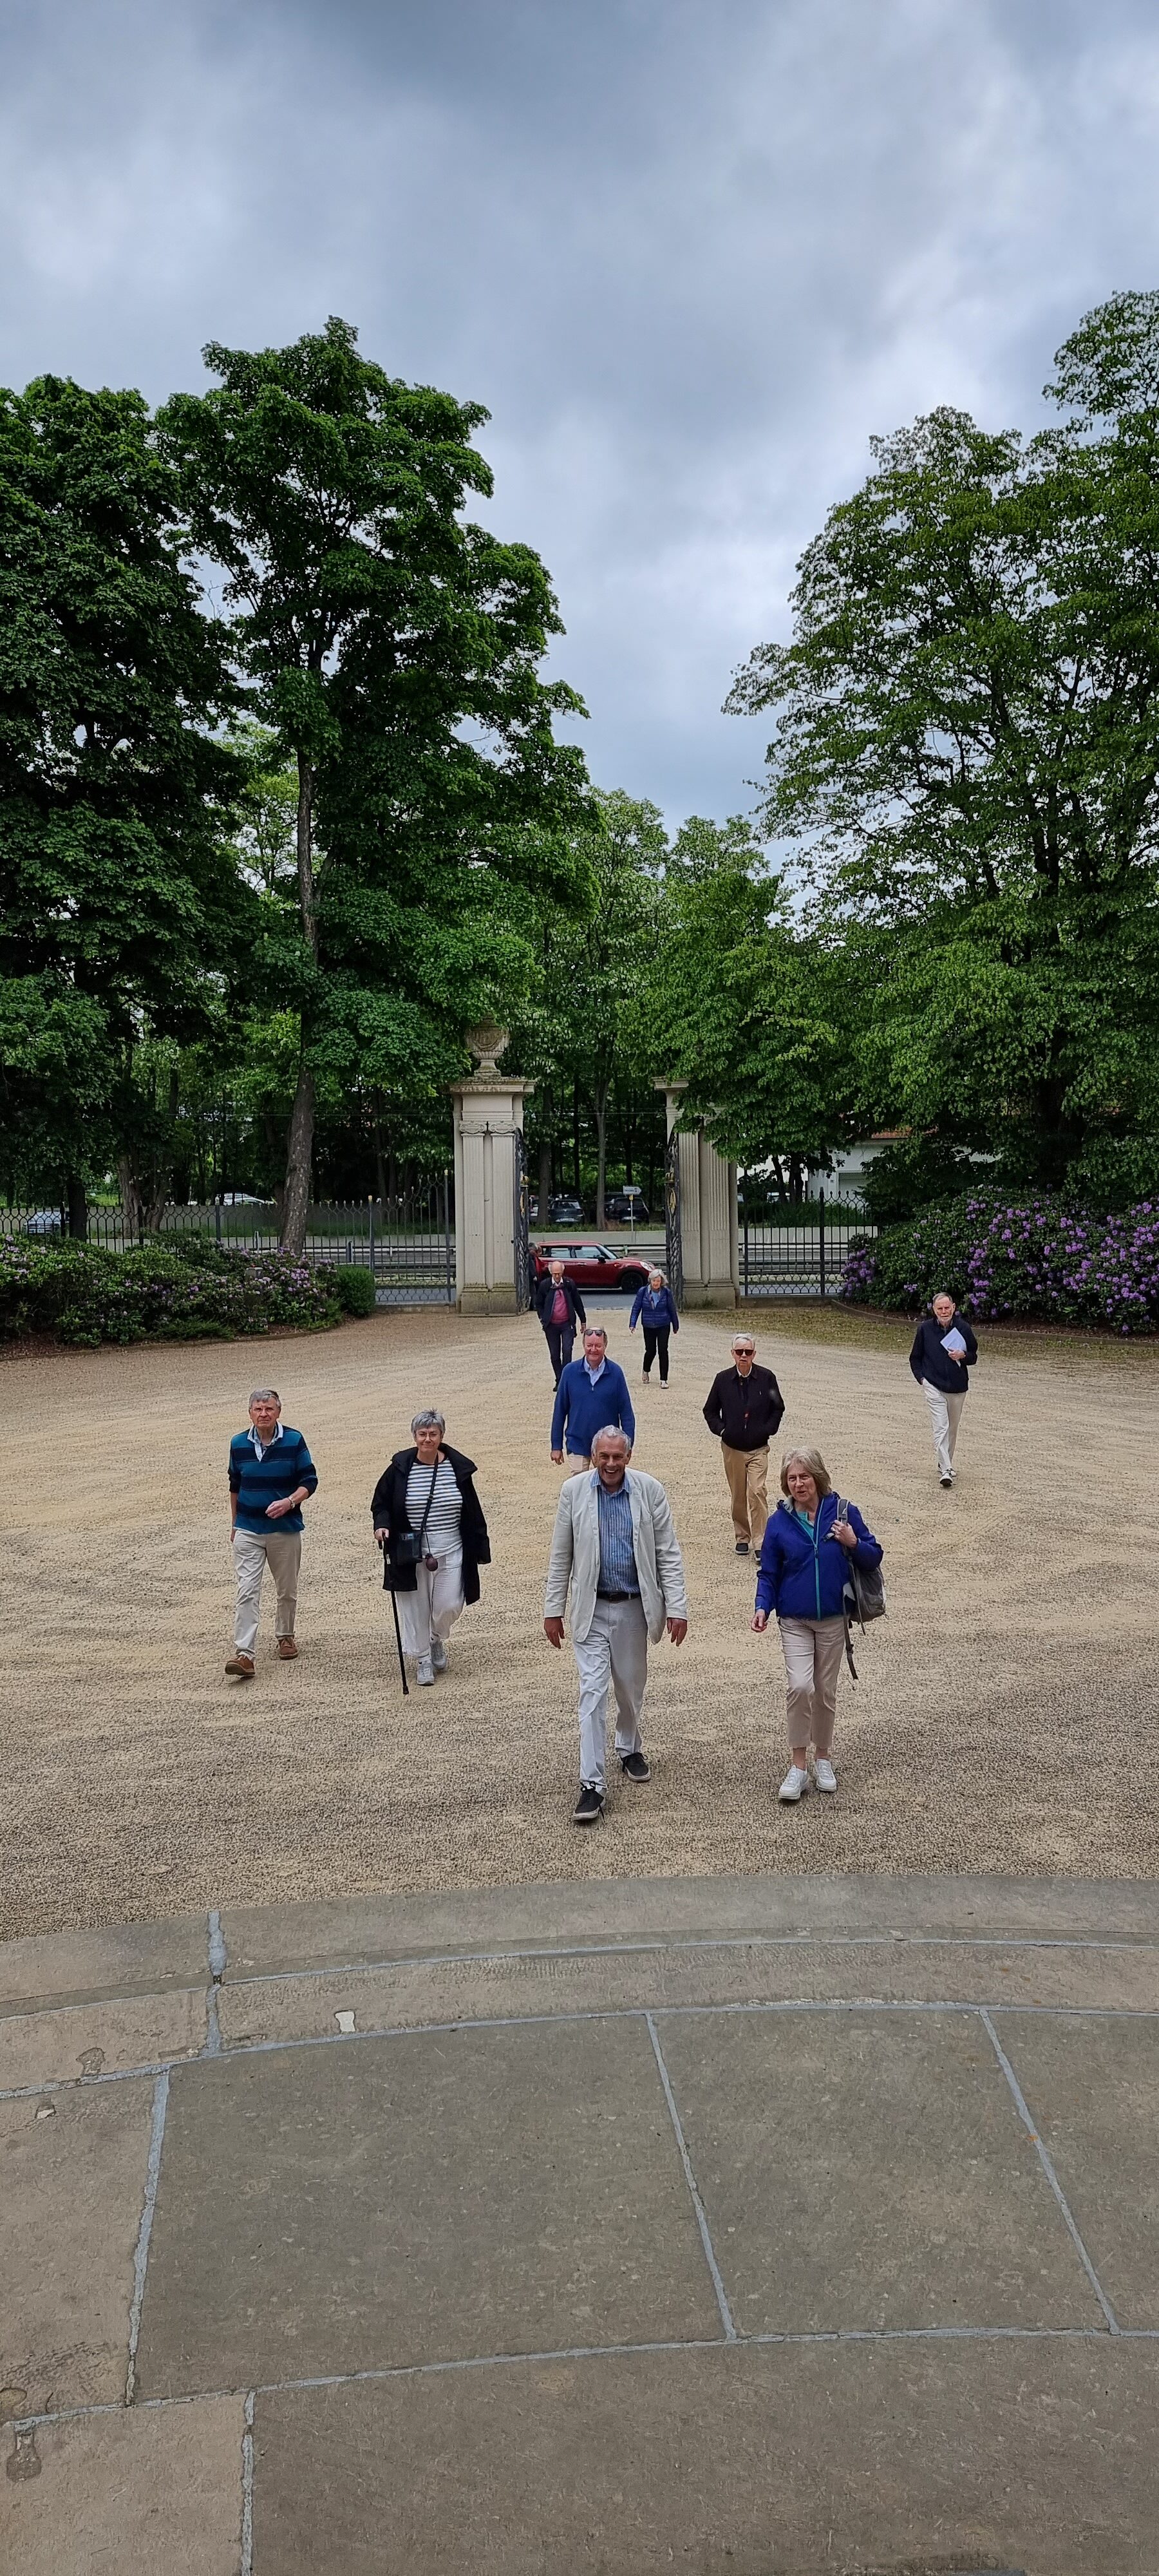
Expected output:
(592, 1396)
(560, 1308)
(944, 1351)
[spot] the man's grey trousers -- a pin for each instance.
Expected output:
(615, 1652)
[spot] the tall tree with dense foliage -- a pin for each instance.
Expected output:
(120, 909)
(752, 1012)
(966, 753)
(394, 649)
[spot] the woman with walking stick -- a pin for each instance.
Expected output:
(429, 1524)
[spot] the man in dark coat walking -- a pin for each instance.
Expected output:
(744, 1408)
(944, 1351)
(560, 1307)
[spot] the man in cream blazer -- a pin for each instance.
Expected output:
(615, 1545)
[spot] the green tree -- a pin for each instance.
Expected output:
(120, 910)
(752, 1012)
(967, 755)
(393, 648)
(598, 971)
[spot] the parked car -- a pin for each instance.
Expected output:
(591, 1265)
(43, 1222)
(565, 1210)
(620, 1209)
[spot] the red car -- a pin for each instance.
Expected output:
(591, 1265)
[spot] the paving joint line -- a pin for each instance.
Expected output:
(691, 1942)
(741, 2342)
(145, 2231)
(730, 2334)
(594, 2012)
(27, 2008)
(1046, 2162)
(247, 2485)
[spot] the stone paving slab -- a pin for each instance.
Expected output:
(100, 2038)
(72, 2180)
(869, 2171)
(418, 2198)
(767, 2461)
(1093, 2090)
(414, 1992)
(124, 1959)
(156, 2493)
(363, 1929)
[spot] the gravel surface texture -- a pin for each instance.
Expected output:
(1004, 1720)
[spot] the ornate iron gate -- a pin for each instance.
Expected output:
(673, 1254)
(521, 1228)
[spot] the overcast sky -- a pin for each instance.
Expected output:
(689, 253)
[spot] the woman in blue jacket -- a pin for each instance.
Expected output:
(654, 1306)
(805, 1554)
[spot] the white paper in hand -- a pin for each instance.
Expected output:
(953, 1343)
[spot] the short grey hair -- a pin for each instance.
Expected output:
(655, 1271)
(814, 1465)
(596, 1328)
(742, 1336)
(422, 1421)
(609, 1432)
(264, 1395)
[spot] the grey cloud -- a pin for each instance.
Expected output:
(690, 258)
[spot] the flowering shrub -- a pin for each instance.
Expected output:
(1031, 1257)
(83, 1294)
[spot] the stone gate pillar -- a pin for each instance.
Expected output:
(708, 1212)
(488, 1118)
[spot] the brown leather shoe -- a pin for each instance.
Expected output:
(243, 1666)
(287, 1650)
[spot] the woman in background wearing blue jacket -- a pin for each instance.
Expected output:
(804, 1556)
(654, 1306)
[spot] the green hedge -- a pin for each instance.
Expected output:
(354, 1288)
(185, 1290)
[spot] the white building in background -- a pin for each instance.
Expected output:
(850, 1165)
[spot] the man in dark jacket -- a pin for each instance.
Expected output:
(560, 1307)
(944, 1350)
(744, 1408)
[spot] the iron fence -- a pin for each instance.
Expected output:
(801, 1251)
(408, 1242)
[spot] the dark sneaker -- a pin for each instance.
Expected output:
(635, 1766)
(742, 1547)
(947, 1482)
(589, 1807)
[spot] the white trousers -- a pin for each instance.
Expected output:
(252, 1552)
(431, 1610)
(615, 1651)
(813, 1649)
(945, 1415)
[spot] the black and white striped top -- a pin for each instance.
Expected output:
(446, 1512)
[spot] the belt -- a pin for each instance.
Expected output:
(617, 1596)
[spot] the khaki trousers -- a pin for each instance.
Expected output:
(747, 1472)
(813, 1649)
(945, 1415)
(252, 1552)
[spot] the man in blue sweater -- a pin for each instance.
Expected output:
(271, 1475)
(592, 1396)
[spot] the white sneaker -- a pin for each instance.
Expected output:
(824, 1775)
(793, 1786)
(425, 1673)
(439, 1655)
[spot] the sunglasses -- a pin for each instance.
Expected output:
(745, 1350)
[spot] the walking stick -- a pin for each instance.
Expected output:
(389, 1587)
(398, 1634)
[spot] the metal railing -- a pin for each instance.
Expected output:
(408, 1242)
(800, 1251)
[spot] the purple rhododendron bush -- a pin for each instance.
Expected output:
(1003, 1256)
(82, 1294)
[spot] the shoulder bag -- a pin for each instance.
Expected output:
(863, 1595)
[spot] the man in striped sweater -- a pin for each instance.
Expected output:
(271, 1475)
